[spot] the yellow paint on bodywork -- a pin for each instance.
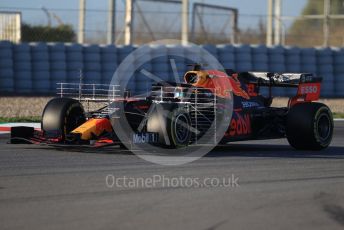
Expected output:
(93, 127)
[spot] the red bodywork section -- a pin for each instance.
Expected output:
(306, 92)
(219, 83)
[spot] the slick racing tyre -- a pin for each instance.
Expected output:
(173, 125)
(309, 126)
(62, 115)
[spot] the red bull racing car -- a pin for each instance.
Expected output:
(177, 115)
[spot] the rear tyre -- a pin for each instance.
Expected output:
(62, 115)
(309, 126)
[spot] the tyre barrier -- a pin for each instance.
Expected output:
(325, 69)
(123, 52)
(91, 57)
(164, 60)
(74, 62)
(91, 77)
(228, 65)
(108, 57)
(6, 67)
(58, 65)
(73, 76)
(22, 68)
(308, 62)
(142, 83)
(40, 68)
(226, 56)
(142, 87)
(292, 59)
(157, 50)
(243, 59)
(191, 54)
(161, 67)
(131, 86)
(276, 63)
(107, 77)
(292, 65)
(74, 53)
(146, 66)
(225, 53)
(212, 49)
(23, 81)
(91, 65)
(338, 60)
(36, 67)
(259, 58)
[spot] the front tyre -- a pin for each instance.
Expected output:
(61, 116)
(180, 128)
(173, 124)
(309, 126)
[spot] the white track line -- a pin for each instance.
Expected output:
(14, 124)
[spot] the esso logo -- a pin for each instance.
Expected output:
(309, 89)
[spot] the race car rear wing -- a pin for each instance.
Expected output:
(308, 86)
(278, 79)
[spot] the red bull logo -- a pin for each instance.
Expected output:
(241, 125)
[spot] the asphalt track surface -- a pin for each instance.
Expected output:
(278, 188)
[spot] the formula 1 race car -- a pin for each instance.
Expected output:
(187, 111)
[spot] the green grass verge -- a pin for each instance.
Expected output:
(20, 119)
(338, 115)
